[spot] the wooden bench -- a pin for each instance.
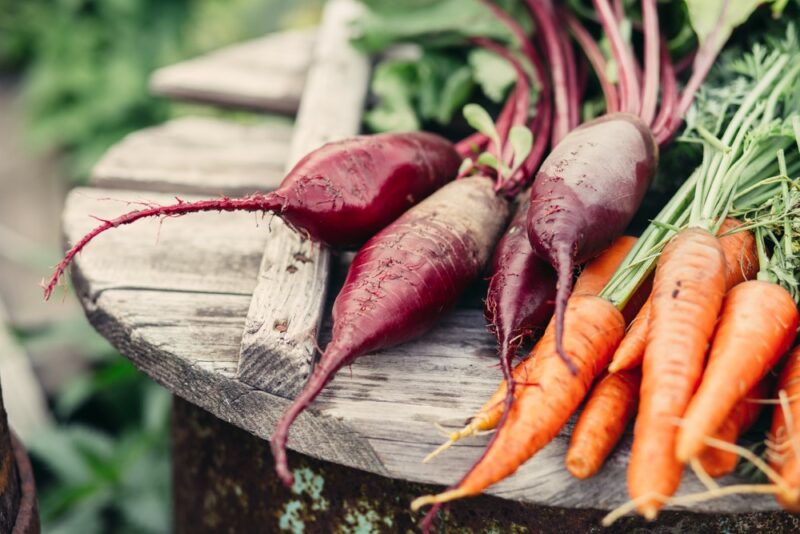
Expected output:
(224, 311)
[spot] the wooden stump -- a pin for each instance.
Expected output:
(224, 482)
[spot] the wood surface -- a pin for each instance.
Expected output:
(266, 74)
(174, 297)
(279, 341)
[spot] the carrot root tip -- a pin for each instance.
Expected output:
(650, 512)
(443, 497)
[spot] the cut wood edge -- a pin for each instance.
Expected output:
(279, 340)
(239, 404)
(265, 74)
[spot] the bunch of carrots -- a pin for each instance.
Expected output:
(653, 327)
(694, 365)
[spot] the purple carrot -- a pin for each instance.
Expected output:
(585, 194)
(340, 194)
(521, 293)
(402, 280)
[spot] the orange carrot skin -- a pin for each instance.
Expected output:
(787, 463)
(595, 327)
(594, 276)
(718, 462)
(610, 407)
(757, 326)
(741, 259)
(688, 288)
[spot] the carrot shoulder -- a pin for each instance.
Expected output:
(595, 327)
(757, 326)
(688, 288)
(610, 407)
(741, 260)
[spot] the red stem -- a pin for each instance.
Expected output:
(595, 57)
(255, 202)
(669, 95)
(573, 92)
(542, 12)
(626, 65)
(651, 60)
(472, 143)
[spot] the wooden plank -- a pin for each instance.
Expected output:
(265, 74)
(280, 333)
(198, 155)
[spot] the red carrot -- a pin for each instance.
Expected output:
(401, 281)
(340, 194)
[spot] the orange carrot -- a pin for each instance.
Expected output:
(688, 288)
(594, 276)
(610, 407)
(542, 409)
(718, 462)
(741, 259)
(757, 326)
(786, 433)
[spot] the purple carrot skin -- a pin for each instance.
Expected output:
(402, 280)
(521, 292)
(582, 199)
(340, 194)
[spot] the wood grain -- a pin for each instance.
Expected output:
(266, 74)
(198, 155)
(279, 339)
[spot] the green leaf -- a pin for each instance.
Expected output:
(492, 73)
(456, 91)
(394, 83)
(713, 22)
(488, 159)
(479, 119)
(521, 140)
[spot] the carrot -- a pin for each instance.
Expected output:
(590, 281)
(785, 432)
(741, 260)
(757, 326)
(610, 407)
(688, 288)
(717, 462)
(542, 408)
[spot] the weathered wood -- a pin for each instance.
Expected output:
(224, 480)
(280, 334)
(265, 74)
(198, 155)
(378, 417)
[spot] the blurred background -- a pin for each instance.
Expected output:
(73, 81)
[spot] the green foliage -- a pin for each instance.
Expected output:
(87, 62)
(430, 88)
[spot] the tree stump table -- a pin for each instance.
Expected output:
(224, 311)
